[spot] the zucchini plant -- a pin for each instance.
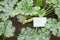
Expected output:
(25, 10)
(29, 10)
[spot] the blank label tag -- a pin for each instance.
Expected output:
(39, 22)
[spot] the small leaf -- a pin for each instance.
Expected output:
(38, 3)
(21, 18)
(57, 12)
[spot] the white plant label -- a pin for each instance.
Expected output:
(39, 22)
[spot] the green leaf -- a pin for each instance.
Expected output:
(56, 30)
(58, 3)
(51, 1)
(55, 2)
(25, 7)
(4, 16)
(53, 26)
(8, 3)
(7, 8)
(50, 23)
(57, 12)
(7, 29)
(1, 28)
(21, 18)
(42, 13)
(38, 3)
(32, 34)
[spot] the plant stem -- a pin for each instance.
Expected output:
(36, 28)
(26, 21)
(29, 20)
(50, 11)
(3, 37)
(45, 6)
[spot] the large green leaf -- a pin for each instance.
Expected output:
(25, 7)
(53, 26)
(32, 34)
(7, 9)
(50, 23)
(55, 2)
(7, 29)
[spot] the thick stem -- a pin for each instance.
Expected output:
(26, 21)
(3, 37)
